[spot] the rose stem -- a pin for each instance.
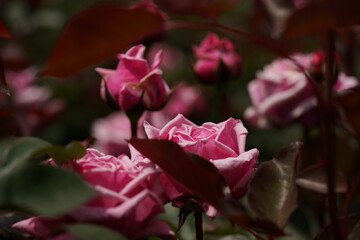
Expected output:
(134, 118)
(349, 199)
(328, 134)
(198, 225)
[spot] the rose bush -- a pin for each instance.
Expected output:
(134, 83)
(216, 59)
(125, 201)
(281, 94)
(223, 144)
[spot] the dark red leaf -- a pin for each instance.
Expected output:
(98, 33)
(195, 173)
(206, 9)
(323, 15)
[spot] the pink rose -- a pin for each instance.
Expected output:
(112, 131)
(134, 83)
(223, 144)
(281, 94)
(125, 201)
(216, 59)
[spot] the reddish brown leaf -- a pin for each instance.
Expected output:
(98, 33)
(195, 173)
(314, 178)
(4, 33)
(323, 15)
(206, 9)
(272, 191)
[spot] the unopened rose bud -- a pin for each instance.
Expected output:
(216, 60)
(134, 84)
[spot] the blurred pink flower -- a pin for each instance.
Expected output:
(216, 59)
(125, 202)
(172, 56)
(281, 94)
(223, 144)
(134, 84)
(31, 105)
(112, 132)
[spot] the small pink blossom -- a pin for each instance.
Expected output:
(281, 93)
(125, 201)
(223, 144)
(134, 83)
(216, 59)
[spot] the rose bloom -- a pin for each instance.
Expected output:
(112, 131)
(134, 83)
(282, 94)
(216, 59)
(125, 201)
(223, 144)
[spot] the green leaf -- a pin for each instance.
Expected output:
(16, 152)
(72, 151)
(46, 190)
(93, 232)
(192, 171)
(314, 178)
(272, 191)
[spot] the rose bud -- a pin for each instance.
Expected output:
(216, 60)
(134, 84)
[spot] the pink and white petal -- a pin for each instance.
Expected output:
(209, 149)
(38, 226)
(151, 131)
(238, 171)
(105, 73)
(178, 121)
(157, 60)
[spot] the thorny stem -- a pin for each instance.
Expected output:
(198, 225)
(326, 114)
(214, 26)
